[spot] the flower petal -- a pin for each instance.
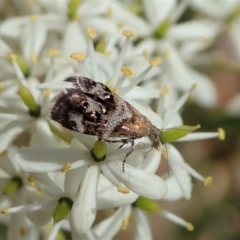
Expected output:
(139, 181)
(84, 209)
(142, 229)
(181, 175)
(39, 159)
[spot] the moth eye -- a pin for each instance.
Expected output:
(108, 97)
(84, 104)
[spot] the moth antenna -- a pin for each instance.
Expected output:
(142, 145)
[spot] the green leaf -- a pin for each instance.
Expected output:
(173, 134)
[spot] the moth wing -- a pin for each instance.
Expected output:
(81, 112)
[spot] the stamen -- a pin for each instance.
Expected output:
(1, 87)
(30, 3)
(128, 33)
(91, 33)
(207, 182)
(23, 231)
(47, 92)
(164, 91)
(145, 53)
(221, 133)
(31, 180)
(53, 52)
(4, 211)
(33, 58)
(141, 76)
(66, 167)
(109, 12)
(24, 208)
(176, 219)
(39, 191)
(123, 190)
(12, 57)
(33, 17)
(155, 62)
(121, 57)
(127, 71)
(78, 56)
(125, 223)
(120, 25)
(178, 105)
(190, 227)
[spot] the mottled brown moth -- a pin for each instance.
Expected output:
(91, 108)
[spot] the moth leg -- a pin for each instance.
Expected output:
(128, 153)
(123, 141)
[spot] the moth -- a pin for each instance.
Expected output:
(90, 107)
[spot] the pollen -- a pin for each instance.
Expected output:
(194, 86)
(155, 62)
(47, 92)
(207, 182)
(30, 3)
(78, 56)
(127, 71)
(125, 223)
(4, 153)
(120, 25)
(33, 58)
(190, 227)
(221, 134)
(164, 91)
(166, 53)
(91, 33)
(123, 190)
(23, 231)
(109, 12)
(53, 52)
(66, 167)
(145, 53)
(1, 87)
(39, 191)
(128, 33)
(12, 57)
(31, 180)
(4, 211)
(108, 53)
(205, 39)
(33, 17)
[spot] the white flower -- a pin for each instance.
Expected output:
(165, 36)
(30, 32)
(110, 226)
(28, 110)
(15, 190)
(80, 162)
(179, 169)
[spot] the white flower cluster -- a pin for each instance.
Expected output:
(53, 179)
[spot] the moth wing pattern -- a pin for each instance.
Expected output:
(91, 108)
